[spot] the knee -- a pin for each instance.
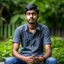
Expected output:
(8, 60)
(52, 60)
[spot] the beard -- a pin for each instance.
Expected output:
(32, 21)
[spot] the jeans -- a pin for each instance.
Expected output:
(13, 60)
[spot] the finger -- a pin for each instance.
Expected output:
(32, 57)
(30, 60)
(36, 62)
(36, 56)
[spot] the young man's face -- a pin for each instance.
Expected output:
(31, 16)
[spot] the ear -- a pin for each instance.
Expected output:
(38, 15)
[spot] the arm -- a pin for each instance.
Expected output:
(40, 59)
(16, 42)
(21, 57)
(48, 51)
(47, 42)
(47, 46)
(15, 52)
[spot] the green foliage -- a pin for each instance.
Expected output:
(58, 49)
(51, 11)
(30, 1)
(14, 19)
(13, 8)
(5, 49)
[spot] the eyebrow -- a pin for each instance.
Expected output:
(32, 12)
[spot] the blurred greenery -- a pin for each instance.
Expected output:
(5, 49)
(57, 49)
(51, 11)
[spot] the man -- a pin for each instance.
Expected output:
(33, 36)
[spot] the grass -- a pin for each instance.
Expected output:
(57, 49)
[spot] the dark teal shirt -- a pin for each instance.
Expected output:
(32, 43)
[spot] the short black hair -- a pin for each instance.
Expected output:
(31, 7)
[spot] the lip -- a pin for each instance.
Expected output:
(31, 19)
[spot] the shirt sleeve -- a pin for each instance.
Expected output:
(16, 37)
(46, 37)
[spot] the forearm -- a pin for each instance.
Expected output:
(48, 51)
(42, 58)
(17, 55)
(47, 54)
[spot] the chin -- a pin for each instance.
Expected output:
(32, 22)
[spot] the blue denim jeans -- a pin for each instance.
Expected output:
(13, 60)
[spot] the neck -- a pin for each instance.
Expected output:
(32, 26)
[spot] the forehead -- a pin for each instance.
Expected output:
(31, 11)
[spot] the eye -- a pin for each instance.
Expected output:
(34, 13)
(27, 13)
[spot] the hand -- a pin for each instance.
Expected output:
(38, 60)
(28, 59)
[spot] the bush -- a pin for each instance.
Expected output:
(6, 49)
(58, 49)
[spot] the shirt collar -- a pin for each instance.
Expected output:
(26, 27)
(37, 28)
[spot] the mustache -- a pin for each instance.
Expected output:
(31, 18)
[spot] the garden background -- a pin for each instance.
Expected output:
(12, 16)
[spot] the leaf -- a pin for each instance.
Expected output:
(5, 5)
(14, 19)
(30, 1)
(22, 17)
(41, 6)
(15, 2)
(3, 19)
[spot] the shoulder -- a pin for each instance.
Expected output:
(42, 26)
(20, 27)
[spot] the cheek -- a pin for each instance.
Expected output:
(34, 17)
(28, 17)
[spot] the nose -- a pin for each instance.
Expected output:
(31, 15)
